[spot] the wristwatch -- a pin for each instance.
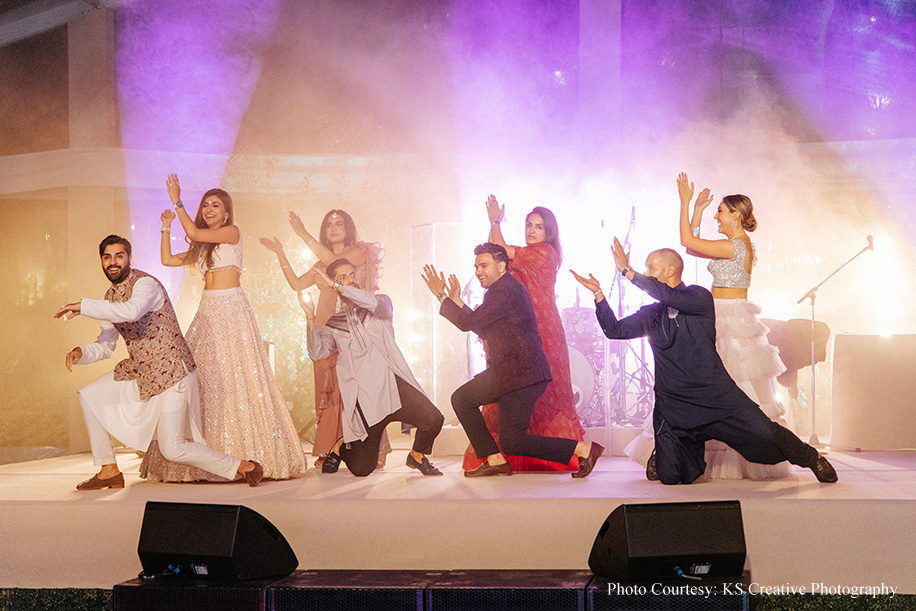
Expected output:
(441, 297)
(337, 284)
(625, 271)
(178, 204)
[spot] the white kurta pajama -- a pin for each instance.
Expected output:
(115, 408)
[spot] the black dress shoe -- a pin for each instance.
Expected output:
(425, 467)
(651, 471)
(824, 471)
(331, 463)
(487, 470)
(588, 463)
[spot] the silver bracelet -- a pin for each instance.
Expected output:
(695, 231)
(337, 284)
(311, 242)
(165, 230)
(284, 266)
(495, 222)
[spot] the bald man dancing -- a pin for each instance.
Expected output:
(695, 399)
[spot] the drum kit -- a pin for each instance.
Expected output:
(613, 383)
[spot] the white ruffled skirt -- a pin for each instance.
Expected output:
(741, 341)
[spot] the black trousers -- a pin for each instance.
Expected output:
(514, 414)
(361, 457)
(680, 453)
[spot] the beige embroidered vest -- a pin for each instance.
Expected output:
(159, 355)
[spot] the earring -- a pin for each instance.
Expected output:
(226, 220)
(734, 222)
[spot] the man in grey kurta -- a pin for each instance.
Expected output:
(376, 384)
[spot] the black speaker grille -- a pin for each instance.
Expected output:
(182, 596)
(345, 599)
(505, 600)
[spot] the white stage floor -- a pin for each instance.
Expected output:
(799, 532)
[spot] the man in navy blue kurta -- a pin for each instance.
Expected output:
(695, 398)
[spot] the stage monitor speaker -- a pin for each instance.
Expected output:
(213, 542)
(654, 541)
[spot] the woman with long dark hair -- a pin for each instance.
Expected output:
(242, 408)
(535, 266)
(337, 238)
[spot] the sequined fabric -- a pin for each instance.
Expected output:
(731, 273)
(243, 412)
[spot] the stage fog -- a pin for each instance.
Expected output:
(408, 115)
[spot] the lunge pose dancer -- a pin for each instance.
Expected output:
(338, 239)
(376, 384)
(535, 266)
(149, 394)
(741, 339)
(242, 409)
(695, 399)
(517, 370)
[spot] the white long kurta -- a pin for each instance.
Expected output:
(117, 404)
(368, 363)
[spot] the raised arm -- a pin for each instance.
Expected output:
(695, 245)
(165, 243)
(228, 234)
(295, 282)
(495, 213)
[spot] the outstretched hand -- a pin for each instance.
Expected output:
(435, 281)
(621, 258)
(167, 216)
(685, 188)
(69, 311)
(298, 226)
(454, 288)
(272, 245)
(305, 302)
(591, 283)
(73, 357)
(703, 200)
(495, 212)
(174, 188)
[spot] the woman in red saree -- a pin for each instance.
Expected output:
(535, 266)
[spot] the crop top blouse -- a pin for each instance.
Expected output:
(225, 256)
(730, 273)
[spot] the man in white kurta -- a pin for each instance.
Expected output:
(154, 392)
(376, 384)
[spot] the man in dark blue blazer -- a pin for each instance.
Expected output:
(695, 398)
(517, 371)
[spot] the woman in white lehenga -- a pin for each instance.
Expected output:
(741, 339)
(242, 408)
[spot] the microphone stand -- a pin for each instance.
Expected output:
(811, 294)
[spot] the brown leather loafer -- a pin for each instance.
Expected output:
(254, 476)
(95, 483)
(487, 470)
(588, 463)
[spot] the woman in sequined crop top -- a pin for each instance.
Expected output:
(337, 239)
(740, 336)
(241, 406)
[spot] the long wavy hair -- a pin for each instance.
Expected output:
(198, 250)
(551, 230)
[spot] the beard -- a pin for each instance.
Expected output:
(116, 274)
